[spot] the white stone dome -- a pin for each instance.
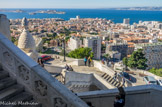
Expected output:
(26, 42)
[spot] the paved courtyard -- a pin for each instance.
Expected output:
(85, 69)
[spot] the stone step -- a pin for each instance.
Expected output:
(20, 99)
(110, 80)
(6, 82)
(103, 75)
(106, 76)
(23, 96)
(115, 84)
(118, 85)
(10, 92)
(39, 105)
(3, 75)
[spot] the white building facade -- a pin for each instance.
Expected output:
(126, 21)
(95, 44)
(74, 43)
(153, 54)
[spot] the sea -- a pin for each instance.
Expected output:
(116, 16)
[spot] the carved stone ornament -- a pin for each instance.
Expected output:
(23, 72)
(58, 102)
(41, 88)
(8, 60)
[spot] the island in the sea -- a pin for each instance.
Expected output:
(14, 11)
(48, 12)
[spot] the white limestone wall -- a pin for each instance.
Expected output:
(80, 77)
(87, 78)
(100, 82)
(103, 68)
(139, 96)
(78, 62)
(53, 69)
(74, 43)
(5, 26)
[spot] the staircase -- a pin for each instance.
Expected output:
(111, 80)
(10, 91)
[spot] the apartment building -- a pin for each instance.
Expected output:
(153, 54)
(95, 44)
(74, 43)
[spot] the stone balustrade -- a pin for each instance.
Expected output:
(92, 78)
(35, 79)
(138, 96)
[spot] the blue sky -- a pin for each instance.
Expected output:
(77, 3)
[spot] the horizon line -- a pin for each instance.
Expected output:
(77, 8)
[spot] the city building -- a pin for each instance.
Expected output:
(95, 44)
(153, 54)
(114, 35)
(126, 21)
(117, 47)
(74, 43)
(77, 17)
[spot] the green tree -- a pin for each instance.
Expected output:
(66, 32)
(67, 38)
(103, 47)
(156, 71)
(107, 56)
(81, 53)
(137, 60)
(125, 61)
(14, 40)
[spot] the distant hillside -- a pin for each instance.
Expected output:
(141, 8)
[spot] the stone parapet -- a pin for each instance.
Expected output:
(36, 80)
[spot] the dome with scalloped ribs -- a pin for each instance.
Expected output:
(26, 41)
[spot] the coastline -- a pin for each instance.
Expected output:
(115, 15)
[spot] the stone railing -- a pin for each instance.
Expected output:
(103, 68)
(53, 69)
(35, 79)
(138, 96)
(92, 78)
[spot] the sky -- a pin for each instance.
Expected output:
(77, 3)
